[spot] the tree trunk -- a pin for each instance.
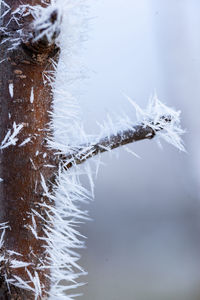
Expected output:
(25, 103)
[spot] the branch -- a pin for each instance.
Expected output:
(134, 134)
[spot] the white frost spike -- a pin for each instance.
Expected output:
(3, 3)
(131, 152)
(2, 60)
(19, 282)
(34, 232)
(34, 227)
(4, 225)
(32, 95)
(18, 264)
(2, 238)
(33, 165)
(11, 89)
(89, 174)
(34, 223)
(26, 141)
(44, 186)
(11, 252)
(36, 282)
(17, 129)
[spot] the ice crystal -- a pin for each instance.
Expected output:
(11, 137)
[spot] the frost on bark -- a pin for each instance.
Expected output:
(33, 221)
(25, 100)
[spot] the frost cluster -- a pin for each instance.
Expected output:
(11, 136)
(165, 121)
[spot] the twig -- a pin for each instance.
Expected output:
(136, 133)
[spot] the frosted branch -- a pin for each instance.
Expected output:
(157, 120)
(137, 133)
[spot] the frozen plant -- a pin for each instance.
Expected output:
(43, 143)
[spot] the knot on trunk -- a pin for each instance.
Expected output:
(34, 29)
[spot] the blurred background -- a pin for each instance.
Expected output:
(144, 240)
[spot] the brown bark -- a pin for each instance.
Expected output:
(26, 100)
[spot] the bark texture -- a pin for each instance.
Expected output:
(24, 100)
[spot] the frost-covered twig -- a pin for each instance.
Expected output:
(138, 132)
(157, 120)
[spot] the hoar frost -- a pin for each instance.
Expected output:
(165, 121)
(69, 134)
